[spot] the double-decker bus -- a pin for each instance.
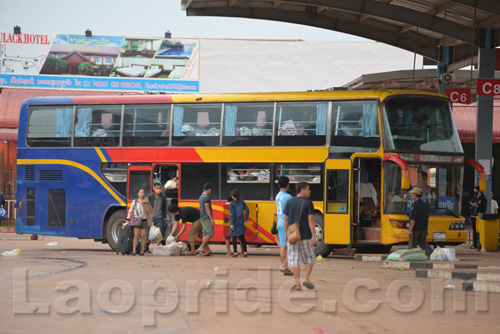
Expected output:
(80, 160)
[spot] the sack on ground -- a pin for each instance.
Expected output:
(414, 254)
(443, 254)
(154, 234)
(172, 249)
(169, 240)
(293, 233)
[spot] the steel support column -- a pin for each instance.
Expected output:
(484, 132)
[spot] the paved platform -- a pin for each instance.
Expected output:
(80, 286)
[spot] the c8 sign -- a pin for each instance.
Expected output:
(488, 87)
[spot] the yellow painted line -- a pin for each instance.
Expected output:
(101, 155)
(265, 154)
(72, 164)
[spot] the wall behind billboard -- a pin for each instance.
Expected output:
(99, 63)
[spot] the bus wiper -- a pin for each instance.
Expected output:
(452, 213)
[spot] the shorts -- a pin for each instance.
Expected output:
(144, 224)
(195, 231)
(207, 228)
(281, 235)
(301, 249)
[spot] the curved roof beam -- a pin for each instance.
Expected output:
(398, 14)
(491, 6)
(410, 42)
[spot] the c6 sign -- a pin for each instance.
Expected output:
(458, 95)
(488, 87)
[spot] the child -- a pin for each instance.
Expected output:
(238, 221)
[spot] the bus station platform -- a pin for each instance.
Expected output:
(57, 285)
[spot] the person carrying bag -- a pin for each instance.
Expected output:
(301, 234)
(293, 234)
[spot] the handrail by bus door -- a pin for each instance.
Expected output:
(480, 170)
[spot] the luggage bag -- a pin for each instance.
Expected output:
(125, 240)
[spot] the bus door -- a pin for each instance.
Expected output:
(51, 211)
(252, 225)
(337, 219)
(139, 177)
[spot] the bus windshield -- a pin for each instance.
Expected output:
(440, 185)
(420, 124)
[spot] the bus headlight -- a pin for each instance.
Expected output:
(400, 224)
(457, 226)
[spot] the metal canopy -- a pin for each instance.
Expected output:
(421, 26)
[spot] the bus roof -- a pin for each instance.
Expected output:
(242, 97)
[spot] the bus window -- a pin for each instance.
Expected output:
(310, 173)
(50, 126)
(97, 126)
(197, 124)
(139, 179)
(355, 126)
(301, 123)
(194, 176)
(146, 125)
(252, 180)
(248, 124)
(338, 191)
(116, 175)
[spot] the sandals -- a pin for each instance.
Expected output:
(286, 272)
(235, 255)
(202, 253)
(308, 285)
(295, 288)
(245, 254)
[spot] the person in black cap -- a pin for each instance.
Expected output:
(419, 222)
(478, 205)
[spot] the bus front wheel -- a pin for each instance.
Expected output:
(114, 226)
(319, 243)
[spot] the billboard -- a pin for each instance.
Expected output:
(99, 62)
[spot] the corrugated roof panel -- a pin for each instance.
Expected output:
(465, 116)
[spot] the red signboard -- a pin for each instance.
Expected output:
(488, 87)
(458, 95)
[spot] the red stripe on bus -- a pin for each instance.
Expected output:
(123, 99)
(158, 155)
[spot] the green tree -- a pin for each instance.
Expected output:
(85, 68)
(54, 65)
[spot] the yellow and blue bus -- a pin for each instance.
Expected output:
(80, 160)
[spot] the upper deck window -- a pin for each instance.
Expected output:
(420, 124)
(197, 124)
(301, 123)
(355, 126)
(248, 124)
(50, 126)
(146, 125)
(97, 125)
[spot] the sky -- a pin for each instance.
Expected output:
(146, 18)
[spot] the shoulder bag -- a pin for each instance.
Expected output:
(293, 233)
(136, 221)
(274, 228)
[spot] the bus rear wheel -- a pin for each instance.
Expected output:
(319, 243)
(114, 226)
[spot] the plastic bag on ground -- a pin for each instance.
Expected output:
(169, 240)
(154, 234)
(14, 252)
(443, 254)
(172, 249)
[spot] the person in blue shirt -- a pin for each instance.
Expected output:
(207, 219)
(303, 248)
(239, 216)
(281, 198)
